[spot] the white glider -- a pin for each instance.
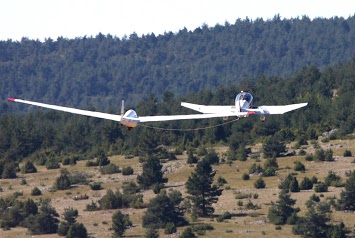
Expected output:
(130, 119)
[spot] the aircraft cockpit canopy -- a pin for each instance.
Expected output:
(244, 96)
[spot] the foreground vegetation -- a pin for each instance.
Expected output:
(241, 208)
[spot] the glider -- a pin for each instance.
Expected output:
(130, 119)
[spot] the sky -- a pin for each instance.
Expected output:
(43, 19)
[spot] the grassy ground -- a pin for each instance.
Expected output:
(251, 223)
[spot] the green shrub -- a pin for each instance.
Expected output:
(225, 215)
(23, 181)
(110, 169)
(347, 153)
(306, 184)
(245, 176)
(170, 228)
(259, 183)
(221, 181)
(28, 167)
(299, 166)
(127, 171)
(66, 161)
(77, 230)
(309, 158)
(52, 163)
(36, 192)
(240, 195)
(92, 207)
(62, 182)
(96, 186)
(188, 233)
(321, 187)
(270, 171)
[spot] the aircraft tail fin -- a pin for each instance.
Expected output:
(122, 108)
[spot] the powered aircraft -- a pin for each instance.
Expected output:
(130, 119)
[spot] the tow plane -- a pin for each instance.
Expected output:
(130, 119)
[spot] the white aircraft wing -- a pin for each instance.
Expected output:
(133, 119)
(209, 109)
(102, 115)
(187, 117)
(276, 109)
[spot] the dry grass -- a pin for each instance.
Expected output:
(251, 223)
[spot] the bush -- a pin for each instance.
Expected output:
(224, 216)
(245, 176)
(28, 167)
(294, 185)
(320, 188)
(191, 159)
(36, 192)
(259, 183)
(328, 155)
(151, 233)
(188, 233)
(52, 163)
(127, 171)
(62, 182)
(309, 158)
(270, 171)
(77, 230)
(221, 181)
(23, 181)
(120, 222)
(255, 169)
(306, 184)
(96, 186)
(70, 160)
(299, 166)
(170, 228)
(92, 207)
(110, 169)
(347, 153)
(332, 179)
(212, 157)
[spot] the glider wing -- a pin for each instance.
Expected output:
(102, 115)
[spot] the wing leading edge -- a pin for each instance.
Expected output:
(118, 118)
(102, 115)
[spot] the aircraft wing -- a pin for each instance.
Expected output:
(102, 115)
(191, 116)
(209, 109)
(133, 119)
(276, 109)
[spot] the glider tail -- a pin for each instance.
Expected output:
(122, 108)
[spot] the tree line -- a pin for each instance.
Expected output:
(99, 71)
(49, 134)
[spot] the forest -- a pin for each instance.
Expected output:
(330, 93)
(99, 71)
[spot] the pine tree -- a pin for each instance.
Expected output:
(152, 173)
(44, 221)
(199, 186)
(120, 222)
(347, 196)
(164, 209)
(77, 230)
(282, 209)
(62, 182)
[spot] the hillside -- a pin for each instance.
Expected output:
(244, 221)
(100, 71)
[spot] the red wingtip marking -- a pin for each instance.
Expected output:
(11, 99)
(251, 113)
